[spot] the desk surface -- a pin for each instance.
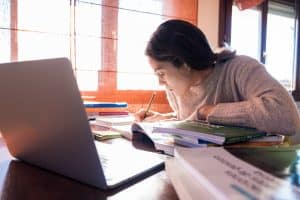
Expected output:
(19, 180)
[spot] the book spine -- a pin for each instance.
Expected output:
(103, 113)
(191, 134)
(241, 138)
(99, 110)
(88, 104)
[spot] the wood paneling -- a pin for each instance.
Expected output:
(184, 9)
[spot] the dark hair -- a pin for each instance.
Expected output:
(180, 42)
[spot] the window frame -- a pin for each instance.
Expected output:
(225, 14)
(107, 76)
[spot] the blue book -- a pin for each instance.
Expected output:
(99, 104)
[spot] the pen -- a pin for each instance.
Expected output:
(149, 104)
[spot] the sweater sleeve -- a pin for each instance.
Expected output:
(265, 104)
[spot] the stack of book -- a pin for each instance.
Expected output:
(109, 119)
(112, 124)
(235, 173)
(167, 134)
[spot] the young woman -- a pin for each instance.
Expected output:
(219, 87)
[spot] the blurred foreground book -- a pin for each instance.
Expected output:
(235, 173)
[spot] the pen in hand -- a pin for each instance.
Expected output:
(149, 104)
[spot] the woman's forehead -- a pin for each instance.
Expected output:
(159, 65)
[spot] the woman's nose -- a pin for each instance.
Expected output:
(161, 82)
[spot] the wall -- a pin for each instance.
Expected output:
(208, 19)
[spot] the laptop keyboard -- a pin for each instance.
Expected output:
(121, 161)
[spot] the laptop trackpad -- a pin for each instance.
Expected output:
(121, 161)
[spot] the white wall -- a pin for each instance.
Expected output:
(208, 20)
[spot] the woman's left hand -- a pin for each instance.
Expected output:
(202, 112)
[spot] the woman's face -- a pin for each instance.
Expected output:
(174, 78)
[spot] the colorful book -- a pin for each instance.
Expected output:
(200, 131)
(236, 173)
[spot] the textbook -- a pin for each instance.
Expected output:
(235, 173)
(199, 131)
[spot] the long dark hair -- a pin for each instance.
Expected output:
(180, 42)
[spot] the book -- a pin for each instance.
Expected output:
(108, 113)
(99, 104)
(183, 183)
(114, 120)
(187, 142)
(163, 142)
(236, 173)
(106, 134)
(199, 131)
(124, 130)
(99, 111)
(269, 138)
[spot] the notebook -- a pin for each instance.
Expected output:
(44, 123)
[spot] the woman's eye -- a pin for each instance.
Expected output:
(160, 74)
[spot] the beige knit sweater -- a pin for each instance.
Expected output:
(245, 94)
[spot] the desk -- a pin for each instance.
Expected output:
(19, 180)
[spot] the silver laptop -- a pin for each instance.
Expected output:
(44, 123)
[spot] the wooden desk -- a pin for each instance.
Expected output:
(19, 180)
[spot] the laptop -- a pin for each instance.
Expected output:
(44, 123)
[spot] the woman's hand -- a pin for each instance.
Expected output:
(152, 116)
(202, 112)
(205, 110)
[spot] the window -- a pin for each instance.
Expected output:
(268, 33)
(243, 23)
(279, 55)
(104, 39)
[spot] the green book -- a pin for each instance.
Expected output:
(201, 131)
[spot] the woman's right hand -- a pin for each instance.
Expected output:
(150, 116)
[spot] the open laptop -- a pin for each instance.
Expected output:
(44, 123)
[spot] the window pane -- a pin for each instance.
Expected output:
(131, 48)
(87, 80)
(45, 16)
(279, 51)
(149, 6)
(4, 13)
(137, 81)
(91, 1)
(88, 19)
(4, 32)
(88, 48)
(88, 53)
(33, 45)
(4, 46)
(245, 32)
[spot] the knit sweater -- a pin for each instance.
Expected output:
(245, 94)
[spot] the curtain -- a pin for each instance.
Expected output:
(245, 4)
